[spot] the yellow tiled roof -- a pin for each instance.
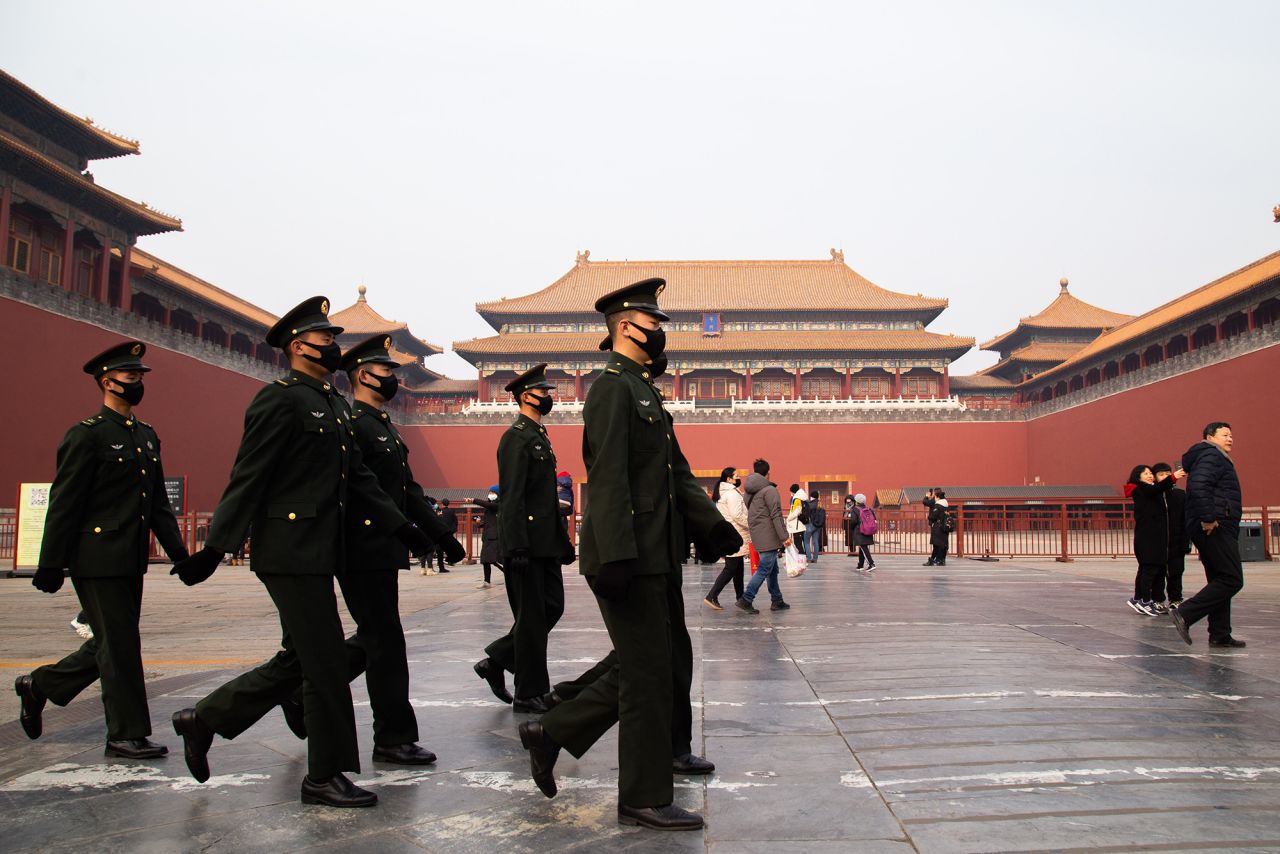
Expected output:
(1065, 312)
(838, 341)
(17, 97)
(980, 380)
(359, 318)
(699, 286)
(199, 288)
(1260, 271)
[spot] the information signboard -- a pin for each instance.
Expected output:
(176, 489)
(33, 505)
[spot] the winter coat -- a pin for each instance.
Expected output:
(859, 538)
(1176, 499)
(1150, 520)
(764, 513)
(733, 508)
(490, 546)
(938, 533)
(564, 493)
(1213, 489)
(794, 525)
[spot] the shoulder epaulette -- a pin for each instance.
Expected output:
(519, 425)
(93, 421)
(144, 424)
(613, 371)
(282, 382)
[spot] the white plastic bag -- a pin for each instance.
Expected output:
(794, 562)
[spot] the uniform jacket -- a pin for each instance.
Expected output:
(491, 538)
(387, 456)
(733, 508)
(643, 496)
(529, 510)
(1150, 520)
(107, 497)
(1213, 489)
(298, 466)
(764, 513)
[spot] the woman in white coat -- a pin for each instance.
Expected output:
(728, 499)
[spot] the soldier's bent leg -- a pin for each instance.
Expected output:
(577, 724)
(531, 631)
(574, 687)
(502, 651)
(373, 598)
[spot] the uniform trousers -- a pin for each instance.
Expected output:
(312, 656)
(1220, 554)
(654, 666)
(113, 655)
(536, 596)
(377, 649)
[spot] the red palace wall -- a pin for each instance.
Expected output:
(1100, 442)
(196, 408)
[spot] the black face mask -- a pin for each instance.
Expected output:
(385, 386)
(543, 404)
(330, 355)
(737, 481)
(131, 393)
(654, 343)
(659, 366)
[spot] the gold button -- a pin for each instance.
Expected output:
(144, 471)
(344, 447)
(368, 521)
(128, 423)
(321, 429)
(144, 495)
(293, 516)
(326, 386)
(139, 450)
(97, 530)
(530, 518)
(119, 459)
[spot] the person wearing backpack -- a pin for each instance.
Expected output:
(863, 527)
(815, 520)
(939, 527)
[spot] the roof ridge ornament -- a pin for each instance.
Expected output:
(361, 290)
(583, 257)
(837, 255)
(1062, 283)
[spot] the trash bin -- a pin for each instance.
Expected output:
(1251, 545)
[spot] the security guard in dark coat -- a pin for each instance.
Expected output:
(536, 543)
(107, 498)
(370, 586)
(298, 478)
(642, 496)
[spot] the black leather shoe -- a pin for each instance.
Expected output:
(295, 717)
(543, 753)
(928, 563)
(780, 605)
(337, 791)
(1181, 625)
(135, 748)
(744, 605)
(197, 738)
(669, 817)
(492, 673)
(32, 706)
(403, 754)
(1229, 642)
(551, 699)
(530, 705)
(691, 763)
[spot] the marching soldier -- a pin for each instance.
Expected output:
(642, 495)
(370, 586)
(300, 480)
(536, 543)
(107, 498)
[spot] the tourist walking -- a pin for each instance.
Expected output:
(796, 516)
(768, 534)
(1150, 536)
(106, 500)
(1179, 545)
(728, 498)
(939, 522)
(1213, 524)
(849, 519)
(864, 532)
(490, 540)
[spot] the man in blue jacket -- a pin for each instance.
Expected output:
(1213, 523)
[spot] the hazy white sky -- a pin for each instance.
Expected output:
(449, 153)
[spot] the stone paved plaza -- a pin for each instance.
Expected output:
(977, 707)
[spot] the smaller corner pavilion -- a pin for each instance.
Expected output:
(745, 330)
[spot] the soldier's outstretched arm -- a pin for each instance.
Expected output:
(363, 486)
(606, 443)
(692, 502)
(269, 432)
(163, 522)
(68, 496)
(419, 510)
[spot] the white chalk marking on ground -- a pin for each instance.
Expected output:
(399, 777)
(469, 703)
(855, 780)
(1234, 697)
(1089, 776)
(572, 660)
(506, 781)
(989, 695)
(1110, 657)
(1102, 694)
(78, 778)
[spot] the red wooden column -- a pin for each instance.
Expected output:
(200, 332)
(897, 382)
(100, 290)
(1253, 319)
(946, 381)
(168, 317)
(796, 388)
(675, 385)
(482, 392)
(750, 392)
(848, 383)
(126, 285)
(6, 196)
(577, 384)
(68, 255)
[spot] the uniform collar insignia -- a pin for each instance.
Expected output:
(317, 414)
(117, 447)
(537, 447)
(383, 438)
(645, 402)
(149, 445)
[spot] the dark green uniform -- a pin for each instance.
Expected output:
(529, 520)
(299, 479)
(642, 496)
(370, 586)
(107, 498)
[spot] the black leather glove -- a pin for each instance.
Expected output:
(613, 578)
(198, 567)
(180, 555)
(568, 557)
(416, 541)
(48, 579)
(724, 538)
(517, 561)
(453, 550)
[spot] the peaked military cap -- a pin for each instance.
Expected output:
(306, 316)
(126, 356)
(641, 296)
(371, 351)
(535, 377)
